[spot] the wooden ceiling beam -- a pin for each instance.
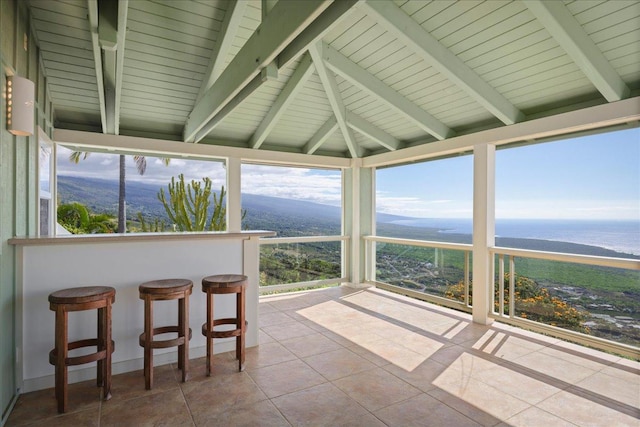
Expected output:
(319, 138)
(123, 7)
(409, 32)
(366, 81)
(308, 36)
(371, 131)
(108, 20)
(285, 22)
(293, 86)
(92, 6)
(335, 100)
(570, 35)
(230, 24)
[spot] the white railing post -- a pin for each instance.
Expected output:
(483, 230)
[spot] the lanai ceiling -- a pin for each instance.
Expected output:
(345, 78)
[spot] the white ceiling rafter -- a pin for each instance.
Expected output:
(361, 78)
(285, 22)
(319, 138)
(293, 86)
(564, 28)
(92, 6)
(409, 32)
(309, 35)
(108, 30)
(335, 100)
(367, 129)
(123, 7)
(227, 33)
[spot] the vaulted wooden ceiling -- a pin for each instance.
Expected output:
(346, 78)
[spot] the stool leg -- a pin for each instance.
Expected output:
(209, 331)
(148, 335)
(183, 328)
(181, 333)
(61, 358)
(240, 299)
(106, 391)
(102, 345)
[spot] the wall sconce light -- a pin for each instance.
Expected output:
(20, 102)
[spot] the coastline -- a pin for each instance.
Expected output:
(619, 239)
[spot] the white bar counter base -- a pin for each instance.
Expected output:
(47, 264)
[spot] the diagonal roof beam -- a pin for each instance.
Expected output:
(123, 7)
(108, 21)
(408, 31)
(569, 34)
(285, 98)
(312, 33)
(230, 24)
(285, 22)
(325, 131)
(366, 128)
(92, 6)
(361, 78)
(335, 100)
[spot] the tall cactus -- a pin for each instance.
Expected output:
(188, 205)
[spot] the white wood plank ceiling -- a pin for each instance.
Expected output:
(347, 78)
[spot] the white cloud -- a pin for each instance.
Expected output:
(295, 183)
(313, 185)
(420, 208)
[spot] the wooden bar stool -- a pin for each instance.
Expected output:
(162, 290)
(79, 299)
(225, 284)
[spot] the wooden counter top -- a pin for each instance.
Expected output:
(76, 239)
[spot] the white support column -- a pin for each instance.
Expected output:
(347, 222)
(484, 156)
(358, 218)
(234, 200)
(368, 220)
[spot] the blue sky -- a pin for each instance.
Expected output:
(594, 177)
(591, 177)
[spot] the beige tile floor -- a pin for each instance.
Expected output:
(366, 357)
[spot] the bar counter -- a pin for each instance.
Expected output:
(47, 264)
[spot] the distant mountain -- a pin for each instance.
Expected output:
(287, 217)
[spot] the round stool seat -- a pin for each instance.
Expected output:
(79, 299)
(221, 281)
(225, 284)
(166, 287)
(83, 295)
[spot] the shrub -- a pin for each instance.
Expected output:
(532, 302)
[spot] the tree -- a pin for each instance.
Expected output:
(77, 219)
(141, 166)
(188, 205)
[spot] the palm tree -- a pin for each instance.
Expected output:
(141, 166)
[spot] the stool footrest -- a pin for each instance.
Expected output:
(80, 360)
(164, 343)
(223, 334)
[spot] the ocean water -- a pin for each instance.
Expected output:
(622, 236)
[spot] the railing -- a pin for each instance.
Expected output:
(423, 270)
(510, 310)
(286, 260)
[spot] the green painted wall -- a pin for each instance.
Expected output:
(18, 179)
